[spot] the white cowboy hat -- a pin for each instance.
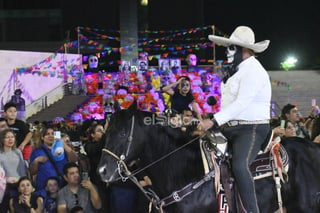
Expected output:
(242, 36)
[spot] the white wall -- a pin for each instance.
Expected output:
(37, 84)
(297, 87)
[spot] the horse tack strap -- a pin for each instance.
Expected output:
(210, 163)
(177, 196)
(206, 157)
(130, 137)
(277, 172)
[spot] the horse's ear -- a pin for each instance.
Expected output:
(133, 106)
(116, 106)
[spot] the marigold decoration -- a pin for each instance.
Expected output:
(167, 101)
(156, 82)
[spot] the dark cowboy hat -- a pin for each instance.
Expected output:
(18, 92)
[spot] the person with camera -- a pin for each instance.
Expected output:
(48, 159)
(79, 191)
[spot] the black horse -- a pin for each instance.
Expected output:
(303, 188)
(134, 134)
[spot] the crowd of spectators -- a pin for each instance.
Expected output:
(39, 181)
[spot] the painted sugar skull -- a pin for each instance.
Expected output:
(230, 52)
(234, 54)
(93, 61)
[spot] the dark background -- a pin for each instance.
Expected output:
(292, 26)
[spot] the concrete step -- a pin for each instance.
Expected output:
(61, 108)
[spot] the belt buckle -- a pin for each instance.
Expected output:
(233, 123)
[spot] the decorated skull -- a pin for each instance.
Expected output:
(234, 55)
(165, 79)
(230, 52)
(192, 60)
(93, 62)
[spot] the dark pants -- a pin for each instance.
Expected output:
(246, 141)
(123, 199)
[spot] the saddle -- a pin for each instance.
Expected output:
(272, 160)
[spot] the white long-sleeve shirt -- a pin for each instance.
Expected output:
(246, 95)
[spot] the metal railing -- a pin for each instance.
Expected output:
(46, 100)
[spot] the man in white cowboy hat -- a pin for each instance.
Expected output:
(245, 107)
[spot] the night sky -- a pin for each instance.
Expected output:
(292, 26)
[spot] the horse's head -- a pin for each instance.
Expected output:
(123, 144)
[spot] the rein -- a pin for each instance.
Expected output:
(167, 155)
(123, 156)
(129, 173)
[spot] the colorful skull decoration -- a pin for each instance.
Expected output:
(93, 62)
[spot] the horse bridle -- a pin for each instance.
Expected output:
(122, 168)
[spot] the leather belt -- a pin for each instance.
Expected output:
(244, 122)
